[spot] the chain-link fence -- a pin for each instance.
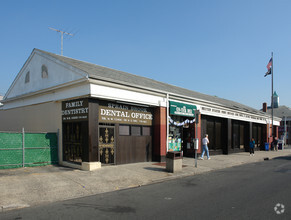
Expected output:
(25, 149)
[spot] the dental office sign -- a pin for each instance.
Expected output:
(124, 114)
(177, 108)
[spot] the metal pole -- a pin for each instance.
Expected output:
(23, 145)
(285, 131)
(272, 73)
(62, 38)
(58, 137)
(196, 142)
(196, 138)
(167, 123)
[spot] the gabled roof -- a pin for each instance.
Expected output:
(103, 73)
(281, 111)
(42, 72)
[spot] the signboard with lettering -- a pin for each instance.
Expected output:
(75, 110)
(125, 114)
(177, 108)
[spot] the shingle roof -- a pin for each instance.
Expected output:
(281, 111)
(99, 72)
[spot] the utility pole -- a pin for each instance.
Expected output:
(272, 73)
(62, 37)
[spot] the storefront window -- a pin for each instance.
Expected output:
(124, 130)
(175, 135)
(135, 130)
(146, 131)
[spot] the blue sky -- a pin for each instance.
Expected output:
(216, 47)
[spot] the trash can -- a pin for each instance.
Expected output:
(266, 146)
(174, 161)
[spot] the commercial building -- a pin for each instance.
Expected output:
(283, 112)
(106, 116)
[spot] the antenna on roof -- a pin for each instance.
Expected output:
(62, 37)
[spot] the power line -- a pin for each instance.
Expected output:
(62, 37)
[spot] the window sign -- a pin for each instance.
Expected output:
(175, 144)
(177, 108)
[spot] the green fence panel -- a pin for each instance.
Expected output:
(34, 140)
(10, 150)
(39, 156)
(10, 157)
(40, 149)
(10, 140)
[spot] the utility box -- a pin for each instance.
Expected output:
(196, 144)
(174, 161)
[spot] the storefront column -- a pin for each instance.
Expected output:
(160, 134)
(198, 127)
(93, 132)
(277, 131)
(265, 133)
(251, 131)
(229, 135)
(269, 133)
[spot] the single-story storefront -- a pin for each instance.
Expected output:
(107, 116)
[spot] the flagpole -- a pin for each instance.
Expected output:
(272, 73)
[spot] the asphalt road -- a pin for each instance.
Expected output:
(250, 191)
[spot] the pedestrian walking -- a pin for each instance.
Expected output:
(252, 147)
(205, 142)
(276, 144)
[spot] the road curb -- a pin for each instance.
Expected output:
(5, 208)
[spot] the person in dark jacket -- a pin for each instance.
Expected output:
(252, 147)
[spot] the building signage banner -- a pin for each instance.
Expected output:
(177, 108)
(123, 114)
(75, 110)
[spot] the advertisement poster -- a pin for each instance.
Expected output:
(175, 144)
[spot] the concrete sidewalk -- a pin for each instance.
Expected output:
(26, 187)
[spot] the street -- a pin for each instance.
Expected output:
(253, 191)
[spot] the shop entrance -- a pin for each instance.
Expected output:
(188, 140)
(73, 141)
(106, 140)
(181, 135)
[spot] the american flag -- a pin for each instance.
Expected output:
(269, 66)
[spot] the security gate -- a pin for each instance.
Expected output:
(106, 150)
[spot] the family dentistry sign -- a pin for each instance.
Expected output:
(75, 110)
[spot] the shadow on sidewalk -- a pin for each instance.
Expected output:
(282, 158)
(34, 170)
(158, 169)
